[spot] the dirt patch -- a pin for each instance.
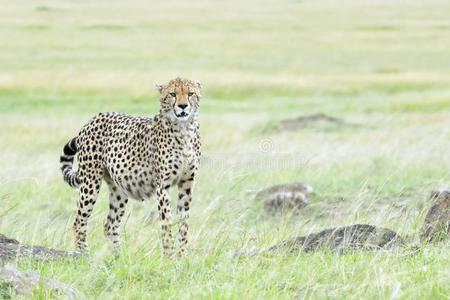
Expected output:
(319, 120)
(11, 249)
(342, 239)
(285, 197)
(436, 225)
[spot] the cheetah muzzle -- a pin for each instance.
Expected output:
(138, 157)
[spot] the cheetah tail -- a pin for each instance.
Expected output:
(66, 161)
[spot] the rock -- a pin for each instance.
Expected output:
(436, 225)
(11, 249)
(7, 240)
(23, 283)
(318, 120)
(247, 252)
(342, 239)
(285, 197)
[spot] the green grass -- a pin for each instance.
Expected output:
(381, 66)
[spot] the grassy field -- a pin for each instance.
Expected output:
(381, 66)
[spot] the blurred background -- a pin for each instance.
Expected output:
(352, 97)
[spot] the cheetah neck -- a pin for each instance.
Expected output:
(183, 131)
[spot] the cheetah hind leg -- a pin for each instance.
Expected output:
(87, 199)
(117, 205)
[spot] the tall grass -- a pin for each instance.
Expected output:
(381, 66)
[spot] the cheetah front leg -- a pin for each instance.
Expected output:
(165, 217)
(185, 187)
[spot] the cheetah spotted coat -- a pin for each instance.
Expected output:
(138, 157)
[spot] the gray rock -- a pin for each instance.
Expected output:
(436, 225)
(343, 239)
(316, 120)
(11, 249)
(285, 197)
(7, 240)
(23, 283)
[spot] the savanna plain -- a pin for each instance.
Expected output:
(381, 67)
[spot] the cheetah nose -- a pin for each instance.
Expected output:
(182, 106)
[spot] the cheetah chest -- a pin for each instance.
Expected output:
(181, 161)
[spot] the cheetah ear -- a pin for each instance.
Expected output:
(159, 87)
(198, 83)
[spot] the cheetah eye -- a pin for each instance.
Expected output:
(173, 94)
(190, 94)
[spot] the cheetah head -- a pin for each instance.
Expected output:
(180, 98)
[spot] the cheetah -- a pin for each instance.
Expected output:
(138, 157)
